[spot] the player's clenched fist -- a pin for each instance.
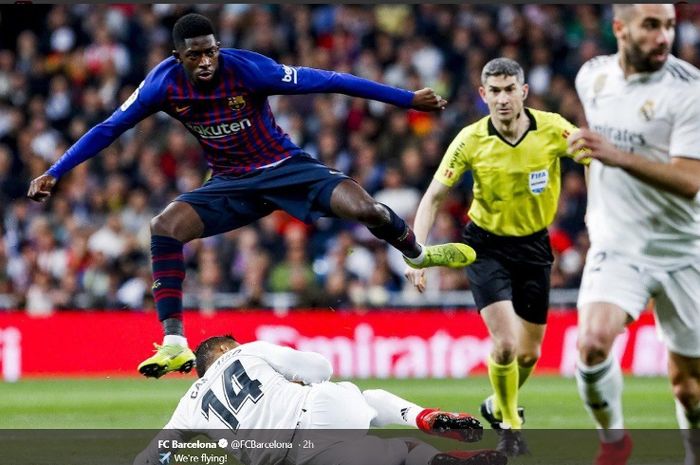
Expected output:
(40, 188)
(427, 100)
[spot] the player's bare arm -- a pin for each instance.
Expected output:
(427, 100)
(425, 217)
(681, 176)
(40, 187)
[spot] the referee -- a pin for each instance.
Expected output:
(514, 155)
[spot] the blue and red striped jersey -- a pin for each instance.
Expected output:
(232, 120)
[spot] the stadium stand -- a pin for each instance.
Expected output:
(64, 68)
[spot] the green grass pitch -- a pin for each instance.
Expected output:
(129, 403)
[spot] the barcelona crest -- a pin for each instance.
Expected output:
(236, 103)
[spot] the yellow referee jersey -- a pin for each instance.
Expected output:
(516, 187)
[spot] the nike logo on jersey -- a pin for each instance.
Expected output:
(183, 109)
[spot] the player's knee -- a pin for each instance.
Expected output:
(503, 352)
(594, 346)
(161, 226)
(370, 213)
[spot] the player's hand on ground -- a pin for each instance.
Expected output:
(427, 100)
(589, 144)
(416, 277)
(40, 188)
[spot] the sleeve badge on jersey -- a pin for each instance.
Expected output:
(236, 103)
(290, 74)
(132, 98)
(448, 173)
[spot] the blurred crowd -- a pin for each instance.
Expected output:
(64, 68)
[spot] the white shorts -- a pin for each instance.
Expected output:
(614, 278)
(336, 406)
(336, 418)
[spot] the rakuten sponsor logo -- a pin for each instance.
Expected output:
(220, 130)
(366, 355)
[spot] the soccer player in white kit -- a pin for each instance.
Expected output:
(643, 110)
(263, 390)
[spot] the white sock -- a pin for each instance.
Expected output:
(422, 454)
(687, 420)
(690, 432)
(600, 388)
(175, 339)
(391, 409)
(419, 259)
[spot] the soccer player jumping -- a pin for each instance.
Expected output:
(643, 109)
(220, 95)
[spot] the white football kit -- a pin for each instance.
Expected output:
(645, 242)
(254, 389)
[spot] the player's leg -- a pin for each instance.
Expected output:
(170, 230)
(598, 374)
(503, 325)
(531, 284)
(678, 316)
(530, 287)
(530, 336)
(218, 206)
(614, 291)
(684, 373)
(177, 224)
(350, 201)
(393, 410)
(599, 378)
(493, 293)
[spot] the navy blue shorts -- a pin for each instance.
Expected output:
(301, 186)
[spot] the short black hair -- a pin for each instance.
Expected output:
(189, 26)
(502, 67)
(204, 353)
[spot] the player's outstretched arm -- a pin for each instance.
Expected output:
(267, 76)
(294, 365)
(681, 176)
(40, 187)
(143, 102)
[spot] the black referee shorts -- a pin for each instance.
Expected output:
(511, 268)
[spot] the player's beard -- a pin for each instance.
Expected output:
(642, 61)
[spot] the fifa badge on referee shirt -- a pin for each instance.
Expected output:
(538, 181)
(236, 103)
